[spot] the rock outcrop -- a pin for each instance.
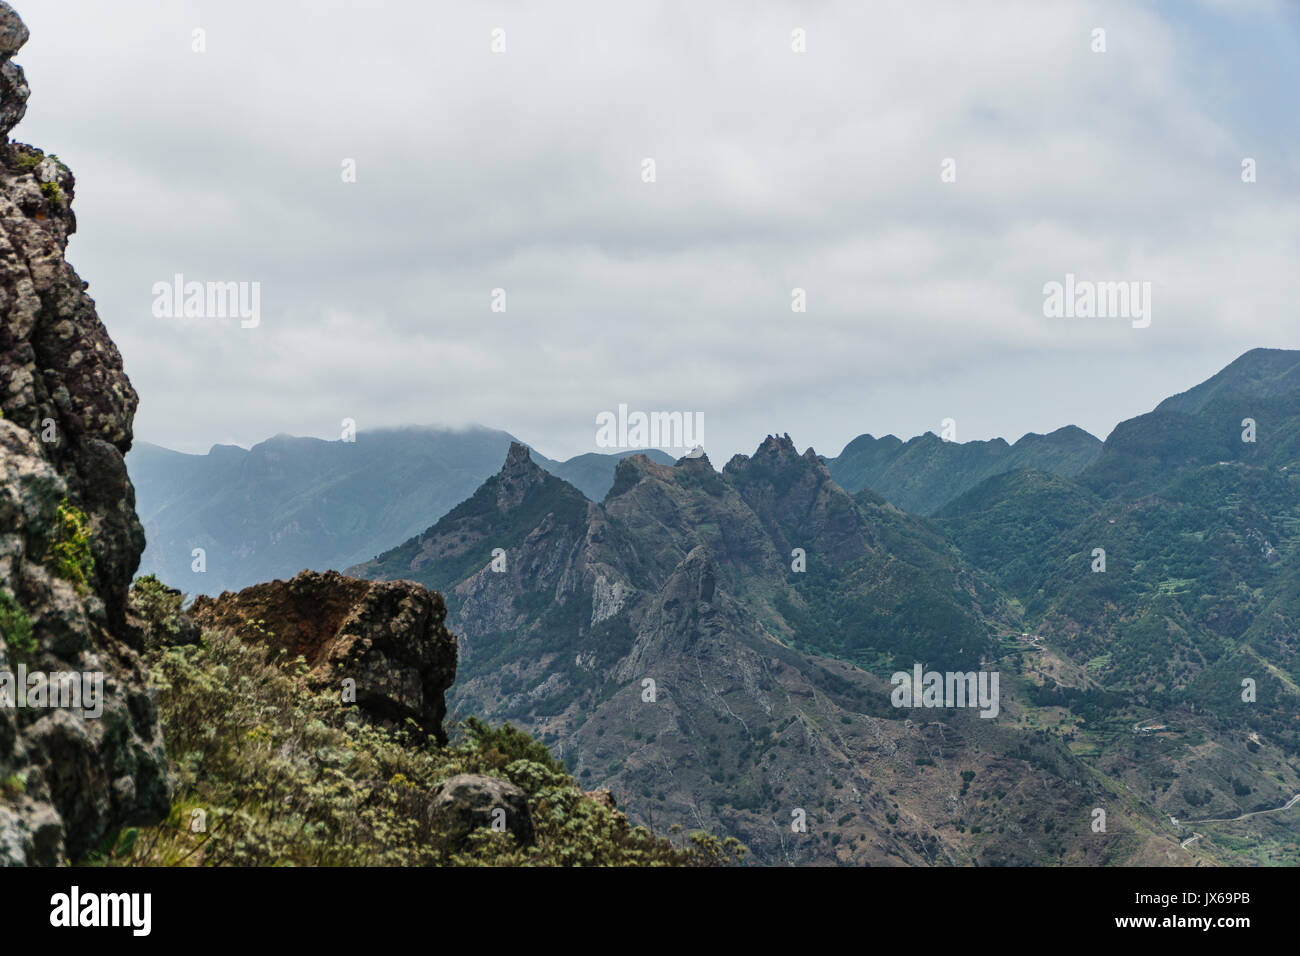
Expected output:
(389, 637)
(470, 801)
(69, 537)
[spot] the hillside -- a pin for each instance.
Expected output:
(274, 767)
(925, 473)
(1259, 373)
(1201, 534)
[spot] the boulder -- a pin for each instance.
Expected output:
(388, 636)
(468, 801)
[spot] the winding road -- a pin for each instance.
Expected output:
(1254, 813)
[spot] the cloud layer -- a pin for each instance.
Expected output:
(775, 170)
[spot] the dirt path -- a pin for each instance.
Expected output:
(1254, 813)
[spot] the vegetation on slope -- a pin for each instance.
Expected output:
(924, 473)
(273, 774)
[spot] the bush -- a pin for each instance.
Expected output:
(71, 546)
(16, 629)
(284, 776)
(161, 610)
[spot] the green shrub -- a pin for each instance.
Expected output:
(12, 787)
(284, 776)
(71, 546)
(159, 606)
(16, 629)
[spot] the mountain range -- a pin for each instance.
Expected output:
(720, 647)
(289, 504)
(1057, 651)
(926, 472)
(292, 503)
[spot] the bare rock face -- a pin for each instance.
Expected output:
(604, 796)
(13, 84)
(69, 537)
(470, 801)
(387, 636)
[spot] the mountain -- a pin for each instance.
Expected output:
(717, 648)
(289, 504)
(1193, 619)
(925, 473)
(720, 645)
(720, 648)
(1243, 415)
(1259, 373)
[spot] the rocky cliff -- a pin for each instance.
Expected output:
(387, 639)
(69, 537)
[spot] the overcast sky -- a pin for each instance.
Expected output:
(775, 170)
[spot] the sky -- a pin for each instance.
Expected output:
(524, 170)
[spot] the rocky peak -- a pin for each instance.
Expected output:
(518, 476)
(778, 455)
(695, 461)
(631, 470)
(782, 449)
(798, 502)
(517, 458)
(778, 444)
(13, 84)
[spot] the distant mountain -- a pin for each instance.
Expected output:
(1248, 413)
(593, 473)
(763, 609)
(1194, 616)
(717, 647)
(289, 504)
(1259, 373)
(925, 473)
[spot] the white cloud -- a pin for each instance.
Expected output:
(775, 170)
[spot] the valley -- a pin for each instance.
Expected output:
(768, 603)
